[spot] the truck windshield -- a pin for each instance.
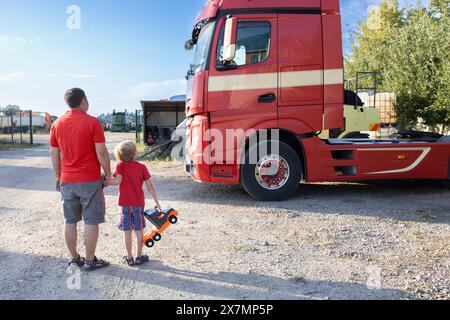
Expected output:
(202, 48)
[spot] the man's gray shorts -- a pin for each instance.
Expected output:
(83, 201)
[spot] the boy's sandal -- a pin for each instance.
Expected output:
(79, 262)
(130, 262)
(141, 260)
(96, 263)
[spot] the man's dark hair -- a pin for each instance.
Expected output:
(74, 97)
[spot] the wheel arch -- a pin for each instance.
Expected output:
(291, 139)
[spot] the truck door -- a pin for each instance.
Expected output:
(244, 94)
(300, 57)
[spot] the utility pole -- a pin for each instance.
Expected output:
(136, 123)
(21, 129)
(31, 127)
(12, 128)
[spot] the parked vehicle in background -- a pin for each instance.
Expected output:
(20, 121)
(120, 122)
(274, 70)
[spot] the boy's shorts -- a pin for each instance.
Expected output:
(131, 219)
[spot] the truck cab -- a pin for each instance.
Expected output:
(272, 71)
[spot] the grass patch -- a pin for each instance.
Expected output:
(243, 248)
(298, 279)
(198, 262)
(154, 157)
(424, 214)
(142, 148)
(17, 146)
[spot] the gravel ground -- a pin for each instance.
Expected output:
(387, 240)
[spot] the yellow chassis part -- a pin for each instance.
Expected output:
(362, 119)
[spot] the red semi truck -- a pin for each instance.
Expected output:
(268, 71)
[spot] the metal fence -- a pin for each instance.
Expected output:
(139, 121)
(21, 126)
(385, 103)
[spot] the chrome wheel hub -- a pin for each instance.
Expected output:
(272, 172)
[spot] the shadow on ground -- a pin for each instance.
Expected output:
(26, 178)
(37, 151)
(420, 201)
(46, 278)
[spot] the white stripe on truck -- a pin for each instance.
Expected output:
(243, 82)
(425, 152)
(270, 80)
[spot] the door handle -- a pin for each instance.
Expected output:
(267, 98)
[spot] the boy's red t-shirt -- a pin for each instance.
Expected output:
(133, 175)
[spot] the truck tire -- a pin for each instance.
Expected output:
(274, 177)
(446, 184)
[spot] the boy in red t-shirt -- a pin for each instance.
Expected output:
(131, 175)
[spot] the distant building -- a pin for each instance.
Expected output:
(161, 118)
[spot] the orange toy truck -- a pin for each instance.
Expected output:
(161, 220)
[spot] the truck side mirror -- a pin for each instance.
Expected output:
(230, 36)
(189, 45)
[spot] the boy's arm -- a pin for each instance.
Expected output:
(115, 181)
(152, 191)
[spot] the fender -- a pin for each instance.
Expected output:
(288, 126)
(295, 125)
(271, 124)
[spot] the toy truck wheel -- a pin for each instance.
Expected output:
(149, 243)
(157, 237)
(173, 220)
(275, 177)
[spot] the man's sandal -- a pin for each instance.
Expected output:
(141, 260)
(79, 262)
(96, 264)
(130, 262)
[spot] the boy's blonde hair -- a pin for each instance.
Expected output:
(126, 151)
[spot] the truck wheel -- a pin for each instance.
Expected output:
(275, 177)
(150, 243)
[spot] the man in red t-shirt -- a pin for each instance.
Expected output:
(78, 153)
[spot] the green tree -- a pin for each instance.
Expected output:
(418, 66)
(10, 109)
(370, 47)
(410, 50)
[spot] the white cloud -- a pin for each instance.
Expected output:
(16, 76)
(70, 76)
(158, 90)
(11, 44)
(20, 40)
(84, 76)
(153, 91)
(5, 44)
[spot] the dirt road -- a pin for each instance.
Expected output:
(331, 241)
